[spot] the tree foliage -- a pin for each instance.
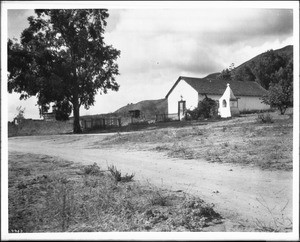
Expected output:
(227, 73)
(62, 58)
(280, 93)
(243, 74)
(63, 111)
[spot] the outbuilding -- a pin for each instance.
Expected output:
(188, 91)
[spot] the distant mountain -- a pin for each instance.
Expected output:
(148, 107)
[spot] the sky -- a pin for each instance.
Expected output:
(159, 45)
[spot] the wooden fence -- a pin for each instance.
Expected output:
(166, 117)
(93, 123)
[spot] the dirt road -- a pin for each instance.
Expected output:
(243, 195)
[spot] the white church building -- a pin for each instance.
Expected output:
(232, 96)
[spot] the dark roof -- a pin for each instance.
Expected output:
(214, 86)
(232, 97)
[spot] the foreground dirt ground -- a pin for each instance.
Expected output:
(248, 195)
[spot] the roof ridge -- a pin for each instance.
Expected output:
(205, 78)
(214, 85)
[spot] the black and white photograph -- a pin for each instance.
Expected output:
(155, 120)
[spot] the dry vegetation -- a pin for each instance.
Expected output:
(48, 194)
(244, 140)
(51, 195)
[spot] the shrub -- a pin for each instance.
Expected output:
(207, 108)
(159, 199)
(264, 118)
(192, 114)
(92, 169)
(117, 175)
(196, 214)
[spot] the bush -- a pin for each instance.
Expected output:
(207, 108)
(116, 174)
(92, 169)
(264, 118)
(159, 198)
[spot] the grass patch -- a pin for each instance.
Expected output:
(265, 118)
(266, 144)
(92, 170)
(47, 194)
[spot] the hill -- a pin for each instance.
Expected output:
(285, 52)
(246, 69)
(148, 107)
(265, 68)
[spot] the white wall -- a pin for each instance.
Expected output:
(225, 111)
(251, 103)
(244, 103)
(192, 98)
(188, 94)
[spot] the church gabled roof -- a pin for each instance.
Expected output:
(215, 86)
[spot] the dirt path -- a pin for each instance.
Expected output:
(240, 194)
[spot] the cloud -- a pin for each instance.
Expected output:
(192, 40)
(149, 22)
(113, 19)
(252, 26)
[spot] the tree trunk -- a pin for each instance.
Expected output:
(76, 105)
(76, 124)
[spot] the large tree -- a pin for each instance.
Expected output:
(62, 58)
(280, 93)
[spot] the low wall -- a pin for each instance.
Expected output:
(39, 127)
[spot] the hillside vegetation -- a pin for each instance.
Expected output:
(286, 52)
(149, 108)
(273, 67)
